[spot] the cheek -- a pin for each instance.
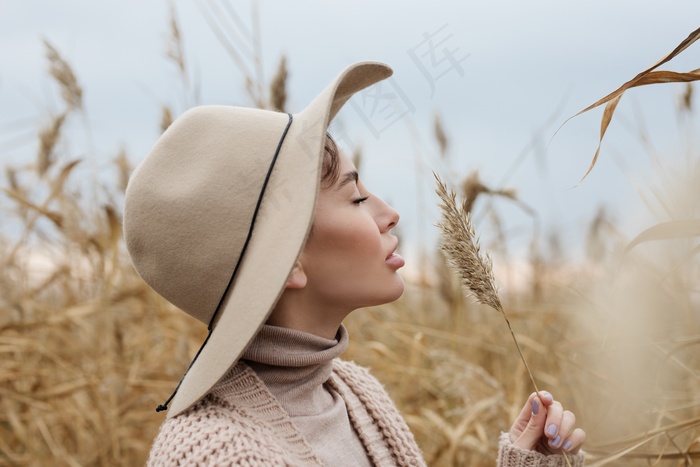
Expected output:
(344, 262)
(344, 243)
(349, 238)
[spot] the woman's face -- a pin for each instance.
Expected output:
(350, 258)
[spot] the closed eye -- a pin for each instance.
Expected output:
(361, 200)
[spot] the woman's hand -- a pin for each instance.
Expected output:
(544, 426)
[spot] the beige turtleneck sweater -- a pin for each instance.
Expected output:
(243, 421)
(296, 367)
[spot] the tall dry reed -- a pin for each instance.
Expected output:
(87, 350)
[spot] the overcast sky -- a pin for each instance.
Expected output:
(496, 72)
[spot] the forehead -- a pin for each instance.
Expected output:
(345, 165)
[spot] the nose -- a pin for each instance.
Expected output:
(387, 217)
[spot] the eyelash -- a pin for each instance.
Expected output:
(361, 200)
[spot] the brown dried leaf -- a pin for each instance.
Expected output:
(643, 78)
(695, 35)
(604, 123)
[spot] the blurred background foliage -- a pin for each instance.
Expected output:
(87, 350)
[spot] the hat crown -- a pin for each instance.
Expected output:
(189, 205)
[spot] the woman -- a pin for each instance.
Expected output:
(254, 223)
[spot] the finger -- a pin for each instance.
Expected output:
(532, 432)
(568, 423)
(574, 441)
(546, 398)
(554, 416)
(523, 418)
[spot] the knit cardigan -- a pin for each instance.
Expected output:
(241, 423)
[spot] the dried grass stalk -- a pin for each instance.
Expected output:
(278, 86)
(472, 187)
(440, 135)
(48, 137)
(124, 168)
(461, 248)
(166, 118)
(71, 92)
(175, 50)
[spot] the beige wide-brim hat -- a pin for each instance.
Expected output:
(217, 213)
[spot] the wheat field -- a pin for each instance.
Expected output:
(87, 350)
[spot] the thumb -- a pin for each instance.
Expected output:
(534, 429)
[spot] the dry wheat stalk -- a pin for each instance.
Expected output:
(48, 137)
(61, 71)
(174, 47)
(278, 86)
(440, 135)
(166, 118)
(461, 248)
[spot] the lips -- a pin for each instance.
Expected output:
(394, 260)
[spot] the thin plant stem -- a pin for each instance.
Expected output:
(461, 248)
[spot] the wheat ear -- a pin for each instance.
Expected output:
(461, 248)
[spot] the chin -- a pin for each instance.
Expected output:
(393, 292)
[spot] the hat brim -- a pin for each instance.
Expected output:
(280, 231)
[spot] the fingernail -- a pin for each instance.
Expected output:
(548, 396)
(552, 430)
(556, 441)
(535, 407)
(567, 446)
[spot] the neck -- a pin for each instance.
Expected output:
(295, 311)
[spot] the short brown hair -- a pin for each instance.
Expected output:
(331, 162)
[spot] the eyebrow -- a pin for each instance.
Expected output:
(349, 177)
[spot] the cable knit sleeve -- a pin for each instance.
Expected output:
(513, 456)
(209, 435)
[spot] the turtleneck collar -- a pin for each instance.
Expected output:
(278, 346)
(293, 364)
(295, 367)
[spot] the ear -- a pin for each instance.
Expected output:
(297, 278)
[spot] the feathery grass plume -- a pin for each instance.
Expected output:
(461, 248)
(166, 118)
(278, 86)
(121, 161)
(48, 137)
(11, 174)
(175, 50)
(71, 92)
(472, 187)
(440, 135)
(686, 101)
